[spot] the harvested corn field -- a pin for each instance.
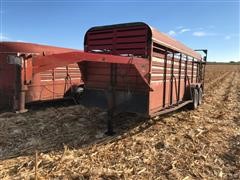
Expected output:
(68, 141)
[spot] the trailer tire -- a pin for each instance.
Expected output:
(77, 93)
(193, 105)
(200, 93)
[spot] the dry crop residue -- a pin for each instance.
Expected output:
(204, 143)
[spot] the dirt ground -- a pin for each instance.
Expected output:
(71, 144)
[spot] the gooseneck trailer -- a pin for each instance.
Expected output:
(131, 67)
(19, 84)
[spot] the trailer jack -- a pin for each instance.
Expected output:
(110, 112)
(111, 97)
(110, 131)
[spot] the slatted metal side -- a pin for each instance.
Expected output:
(119, 41)
(54, 83)
(171, 74)
(123, 41)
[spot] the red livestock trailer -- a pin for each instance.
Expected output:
(19, 83)
(133, 67)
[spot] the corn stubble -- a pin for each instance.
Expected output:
(68, 142)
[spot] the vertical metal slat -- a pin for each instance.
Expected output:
(164, 79)
(179, 77)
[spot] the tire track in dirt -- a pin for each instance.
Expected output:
(215, 81)
(231, 156)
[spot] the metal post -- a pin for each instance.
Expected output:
(21, 105)
(192, 70)
(197, 75)
(179, 77)
(186, 74)
(53, 83)
(111, 99)
(164, 79)
(22, 89)
(172, 72)
(203, 76)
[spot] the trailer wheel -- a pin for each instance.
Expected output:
(200, 96)
(193, 105)
(77, 93)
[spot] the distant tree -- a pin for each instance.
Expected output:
(232, 61)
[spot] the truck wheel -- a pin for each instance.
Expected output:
(200, 93)
(193, 105)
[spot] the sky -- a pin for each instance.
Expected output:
(206, 24)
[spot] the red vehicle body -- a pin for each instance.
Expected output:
(45, 85)
(172, 67)
(133, 67)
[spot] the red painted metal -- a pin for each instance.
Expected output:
(172, 44)
(148, 63)
(20, 84)
(129, 66)
(43, 63)
(169, 87)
